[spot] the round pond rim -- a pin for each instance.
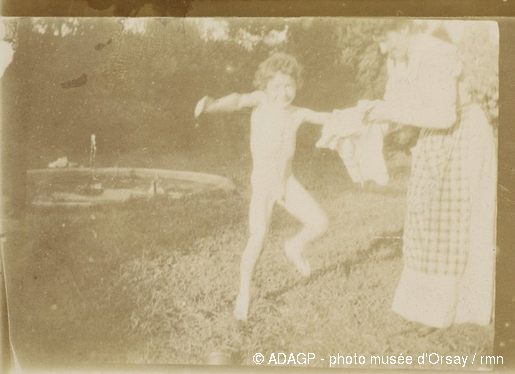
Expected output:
(212, 180)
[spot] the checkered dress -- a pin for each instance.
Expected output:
(436, 231)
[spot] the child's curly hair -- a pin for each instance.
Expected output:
(278, 62)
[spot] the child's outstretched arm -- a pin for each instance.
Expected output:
(317, 118)
(229, 103)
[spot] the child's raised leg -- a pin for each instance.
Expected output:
(299, 203)
(259, 219)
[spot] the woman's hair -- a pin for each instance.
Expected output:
(400, 24)
(278, 63)
(394, 25)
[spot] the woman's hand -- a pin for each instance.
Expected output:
(366, 105)
(381, 112)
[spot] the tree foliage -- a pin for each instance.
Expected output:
(479, 50)
(144, 76)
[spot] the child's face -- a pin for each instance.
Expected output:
(281, 89)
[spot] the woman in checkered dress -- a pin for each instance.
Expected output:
(449, 232)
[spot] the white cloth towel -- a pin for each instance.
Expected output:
(359, 144)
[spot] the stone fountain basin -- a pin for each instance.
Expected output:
(59, 187)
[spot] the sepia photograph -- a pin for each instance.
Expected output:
(314, 192)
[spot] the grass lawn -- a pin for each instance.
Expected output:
(154, 281)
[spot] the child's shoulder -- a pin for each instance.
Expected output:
(301, 114)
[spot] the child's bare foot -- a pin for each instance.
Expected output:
(241, 308)
(294, 253)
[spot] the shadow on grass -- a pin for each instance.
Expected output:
(391, 241)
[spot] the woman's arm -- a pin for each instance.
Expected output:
(229, 103)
